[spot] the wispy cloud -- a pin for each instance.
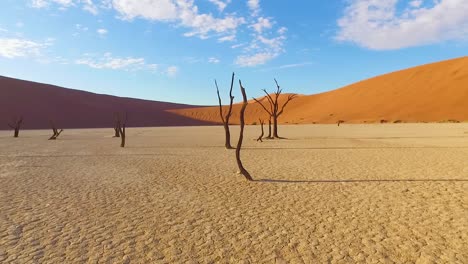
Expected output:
(131, 64)
(289, 66)
(102, 31)
(220, 4)
(14, 47)
(182, 12)
(214, 60)
(172, 71)
(379, 25)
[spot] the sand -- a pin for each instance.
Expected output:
(393, 193)
(435, 92)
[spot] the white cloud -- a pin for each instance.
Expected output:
(254, 6)
(289, 66)
(213, 60)
(220, 4)
(114, 63)
(172, 71)
(14, 48)
(227, 38)
(182, 12)
(89, 6)
(261, 24)
(130, 64)
(379, 25)
(102, 31)
(255, 59)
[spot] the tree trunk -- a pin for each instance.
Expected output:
(263, 132)
(117, 132)
(16, 132)
(269, 128)
(227, 143)
(242, 170)
(275, 127)
(122, 136)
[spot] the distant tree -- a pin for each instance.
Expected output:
(117, 124)
(55, 131)
(340, 122)
(275, 111)
(261, 135)
(16, 125)
(120, 128)
(242, 170)
(225, 119)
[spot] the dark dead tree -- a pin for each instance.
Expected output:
(275, 110)
(121, 129)
(269, 128)
(242, 170)
(263, 132)
(16, 125)
(55, 131)
(340, 122)
(117, 124)
(225, 119)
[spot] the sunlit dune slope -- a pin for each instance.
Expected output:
(429, 93)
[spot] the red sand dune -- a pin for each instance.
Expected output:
(428, 93)
(38, 103)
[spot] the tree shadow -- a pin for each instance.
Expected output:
(360, 181)
(324, 148)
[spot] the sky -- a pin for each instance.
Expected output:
(173, 50)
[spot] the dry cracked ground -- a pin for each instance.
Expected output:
(392, 193)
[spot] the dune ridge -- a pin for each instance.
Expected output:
(428, 93)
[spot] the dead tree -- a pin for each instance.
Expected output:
(55, 131)
(261, 135)
(16, 125)
(121, 128)
(269, 128)
(275, 110)
(242, 170)
(340, 122)
(225, 119)
(117, 124)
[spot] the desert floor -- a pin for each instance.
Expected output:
(390, 193)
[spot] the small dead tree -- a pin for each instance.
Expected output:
(16, 125)
(263, 132)
(117, 124)
(242, 170)
(340, 122)
(121, 129)
(55, 131)
(275, 111)
(225, 119)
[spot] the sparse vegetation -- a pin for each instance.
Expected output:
(55, 131)
(16, 125)
(225, 119)
(275, 111)
(120, 127)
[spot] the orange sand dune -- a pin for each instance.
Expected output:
(428, 93)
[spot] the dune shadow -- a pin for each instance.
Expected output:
(360, 181)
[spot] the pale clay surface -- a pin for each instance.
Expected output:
(341, 195)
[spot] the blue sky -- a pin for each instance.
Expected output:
(172, 50)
